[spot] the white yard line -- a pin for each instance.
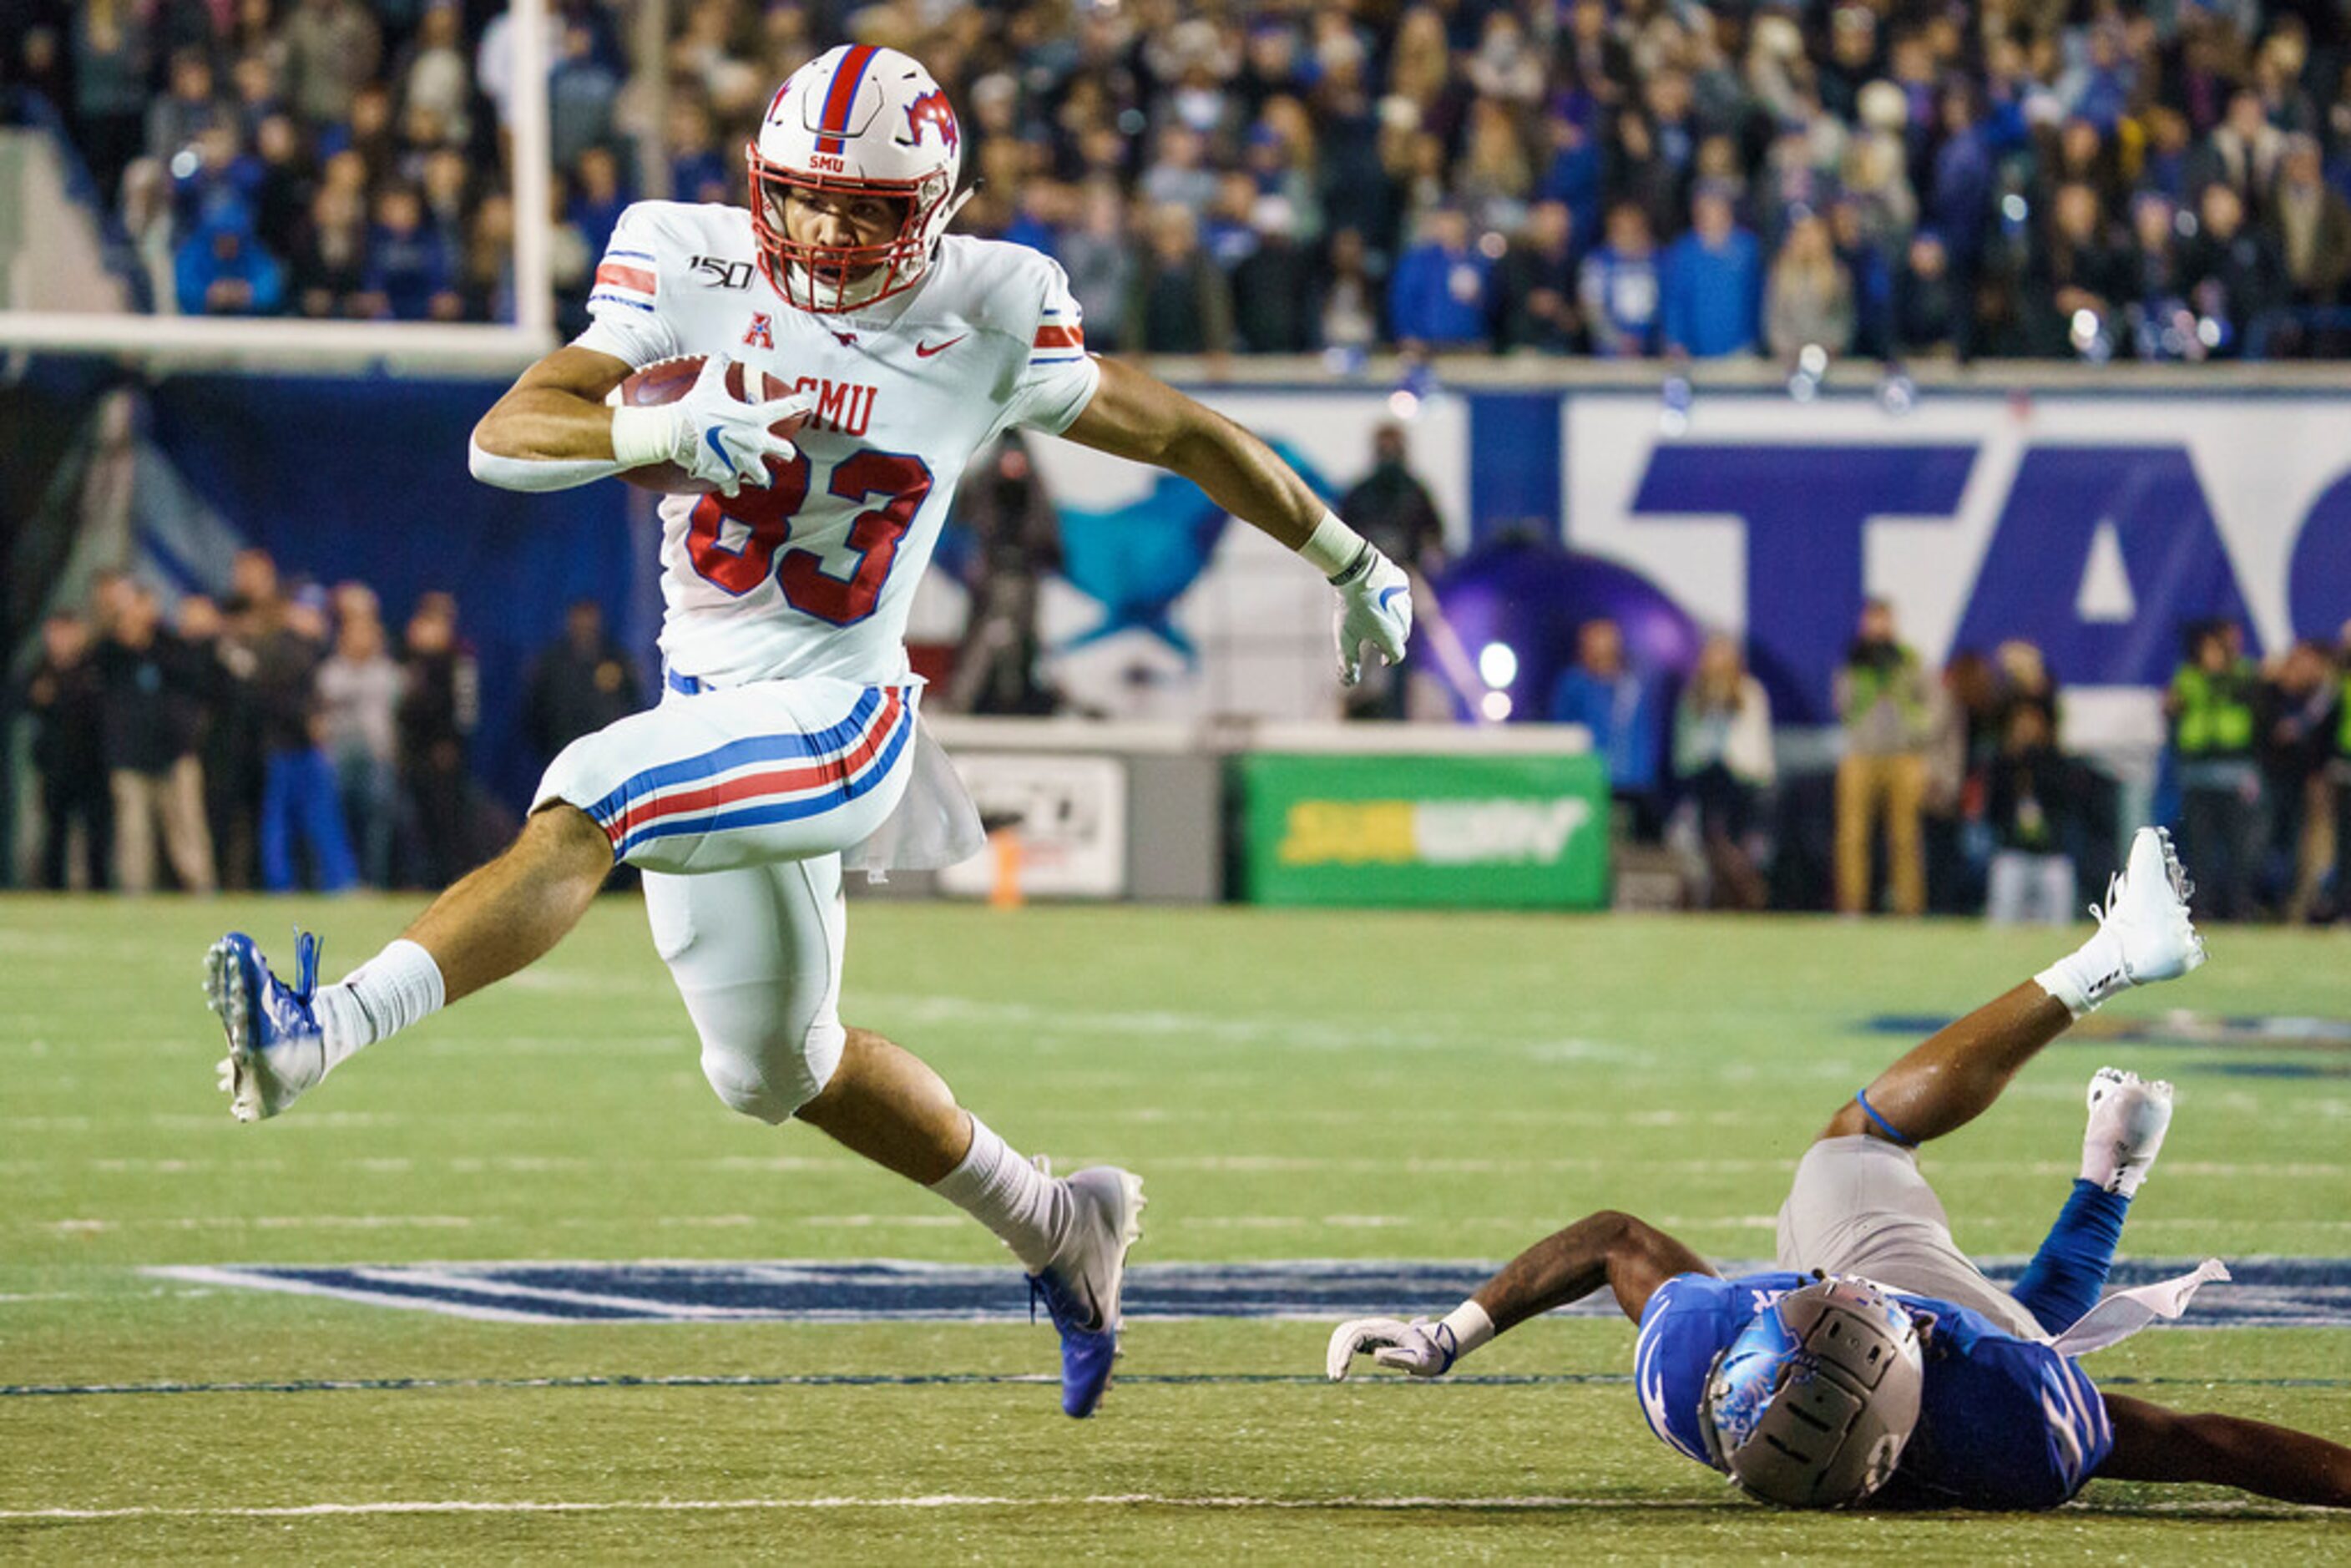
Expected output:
(933, 1501)
(240, 1279)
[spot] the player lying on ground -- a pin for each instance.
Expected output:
(787, 734)
(1880, 1361)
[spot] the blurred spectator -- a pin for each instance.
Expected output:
(154, 689)
(1882, 698)
(1179, 302)
(2031, 799)
(281, 187)
(331, 258)
(1099, 260)
(191, 105)
(2310, 227)
(65, 696)
(1810, 297)
(231, 748)
(411, 276)
(2163, 327)
(215, 180)
(359, 699)
(1351, 307)
(1711, 284)
(1722, 765)
(2233, 273)
(332, 48)
(1620, 288)
(2212, 706)
(223, 270)
(1016, 538)
(699, 170)
(2299, 702)
(299, 800)
(112, 53)
(1275, 304)
(580, 684)
(2079, 278)
(439, 706)
(1442, 294)
(437, 79)
(598, 198)
(1620, 707)
(1391, 507)
(1964, 737)
(1928, 310)
(1539, 283)
(2242, 153)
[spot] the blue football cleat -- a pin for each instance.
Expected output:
(275, 1048)
(1080, 1288)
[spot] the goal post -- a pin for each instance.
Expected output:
(257, 342)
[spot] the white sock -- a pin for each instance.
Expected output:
(399, 987)
(1028, 1210)
(2087, 975)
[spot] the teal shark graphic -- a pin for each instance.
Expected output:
(1137, 561)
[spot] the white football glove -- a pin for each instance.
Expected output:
(1423, 1347)
(721, 440)
(1375, 607)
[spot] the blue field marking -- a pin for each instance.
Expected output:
(2276, 1293)
(622, 1380)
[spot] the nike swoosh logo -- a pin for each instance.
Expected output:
(1388, 593)
(924, 350)
(710, 439)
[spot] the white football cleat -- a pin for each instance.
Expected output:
(1081, 1287)
(276, 1049)
(2145, 914)
(2129, 1117)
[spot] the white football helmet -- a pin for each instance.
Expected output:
(863, 120)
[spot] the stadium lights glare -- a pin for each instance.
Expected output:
(1497, 664)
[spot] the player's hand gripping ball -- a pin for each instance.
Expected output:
(727, 430)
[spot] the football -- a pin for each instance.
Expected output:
(666, 380)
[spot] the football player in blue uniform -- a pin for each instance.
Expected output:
(1878, 1362)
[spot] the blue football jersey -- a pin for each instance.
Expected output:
(2004, 1422)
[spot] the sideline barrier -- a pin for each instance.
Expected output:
(1282, 813)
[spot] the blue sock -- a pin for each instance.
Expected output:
(2066, 1276)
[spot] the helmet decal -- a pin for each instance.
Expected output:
(842, 97)
(931, 112)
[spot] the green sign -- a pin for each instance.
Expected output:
(1523, 831)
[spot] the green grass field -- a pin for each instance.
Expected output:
(1290, 1085)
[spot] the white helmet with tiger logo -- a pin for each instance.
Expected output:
(858, 120)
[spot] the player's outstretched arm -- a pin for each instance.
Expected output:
(1629, 1256)
(2153, 1444)
(1135, 415)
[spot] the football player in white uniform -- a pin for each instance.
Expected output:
(787, 742)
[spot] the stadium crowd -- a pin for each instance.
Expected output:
(280, 739)
(1955, 787)
(1619, 178)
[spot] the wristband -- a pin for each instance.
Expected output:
(1467, 1326)
(1336, 550)
(642, 435)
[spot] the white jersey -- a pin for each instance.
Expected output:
(815, 574)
